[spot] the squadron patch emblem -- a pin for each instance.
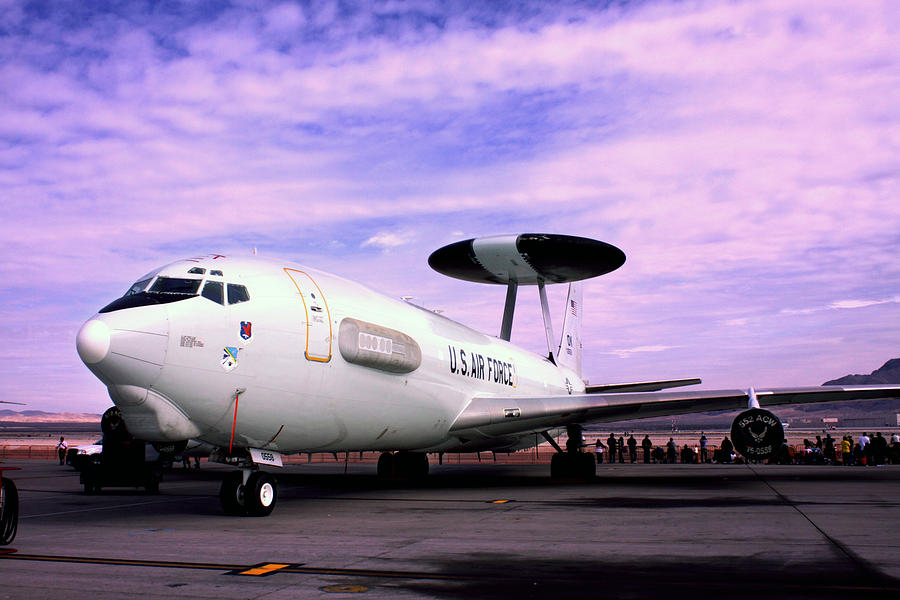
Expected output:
(229, 358)
(247, 331)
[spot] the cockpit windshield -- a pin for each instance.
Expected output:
(174, 285)
(165, 290)
(139, 286)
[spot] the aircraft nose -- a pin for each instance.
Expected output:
(126, 347)
(92, 341)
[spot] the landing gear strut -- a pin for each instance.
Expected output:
(571, 463)
(248, 493)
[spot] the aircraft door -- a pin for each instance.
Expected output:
(318, 317)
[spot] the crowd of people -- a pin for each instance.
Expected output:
(875, 450)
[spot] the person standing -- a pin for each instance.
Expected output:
(879, 449)
(611, 442)
(704, 457)
(620, 448)
(647, 445)
(598, 451)
(829, 449)
(61, 448)
(865, 449)
(727, 449)
(632, 448)
(671, 452)
(864, 440)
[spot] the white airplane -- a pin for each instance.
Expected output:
(261, 358)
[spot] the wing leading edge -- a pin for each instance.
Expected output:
(640, 386)
(508, 415)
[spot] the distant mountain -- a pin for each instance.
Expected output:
(888, 373)
(39, 416)
(882, 411)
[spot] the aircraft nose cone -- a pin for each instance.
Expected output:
(92, 341)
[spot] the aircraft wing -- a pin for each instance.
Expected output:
(639, 386)
(506, 415)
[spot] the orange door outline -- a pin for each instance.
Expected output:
(310, 318)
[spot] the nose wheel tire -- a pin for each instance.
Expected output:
(256, 498)
(231, 494)
(260, 494)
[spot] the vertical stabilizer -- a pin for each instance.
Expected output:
(569, 354)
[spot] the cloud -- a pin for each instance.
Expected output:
(861, 303)
(628, 352)
(840, 305)
(743, 154)
(386, 240)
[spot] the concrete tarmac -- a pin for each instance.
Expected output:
(468, 531)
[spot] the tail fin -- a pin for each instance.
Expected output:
(569, 354)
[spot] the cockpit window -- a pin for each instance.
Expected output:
(196, 271)
(213, 291)
(139, 287)
(163, 291)
(215, 273)
(237, 293)
(166, 290)
(174, 285)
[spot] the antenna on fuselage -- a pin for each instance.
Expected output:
(526, 259)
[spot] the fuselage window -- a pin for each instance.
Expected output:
(237, 293)
(139, 287)
(213, 291)
(174, 285)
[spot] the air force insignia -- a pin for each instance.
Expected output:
(247, 331)
(229, 358)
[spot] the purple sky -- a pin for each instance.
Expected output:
(744, 155)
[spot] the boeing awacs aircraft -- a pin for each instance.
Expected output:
(261, 358)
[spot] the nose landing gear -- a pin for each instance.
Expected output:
(248, 493)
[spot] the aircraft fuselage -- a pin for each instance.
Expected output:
(300, 361)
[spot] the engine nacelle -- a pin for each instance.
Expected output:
(113, 426)
(757, 434)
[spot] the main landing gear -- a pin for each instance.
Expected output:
(571, 463)
(402, 465)
(248, 493)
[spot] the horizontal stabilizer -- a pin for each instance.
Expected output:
(640, 386)
(537, 413)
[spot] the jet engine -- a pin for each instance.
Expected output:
(757, 434)
(113, 426)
